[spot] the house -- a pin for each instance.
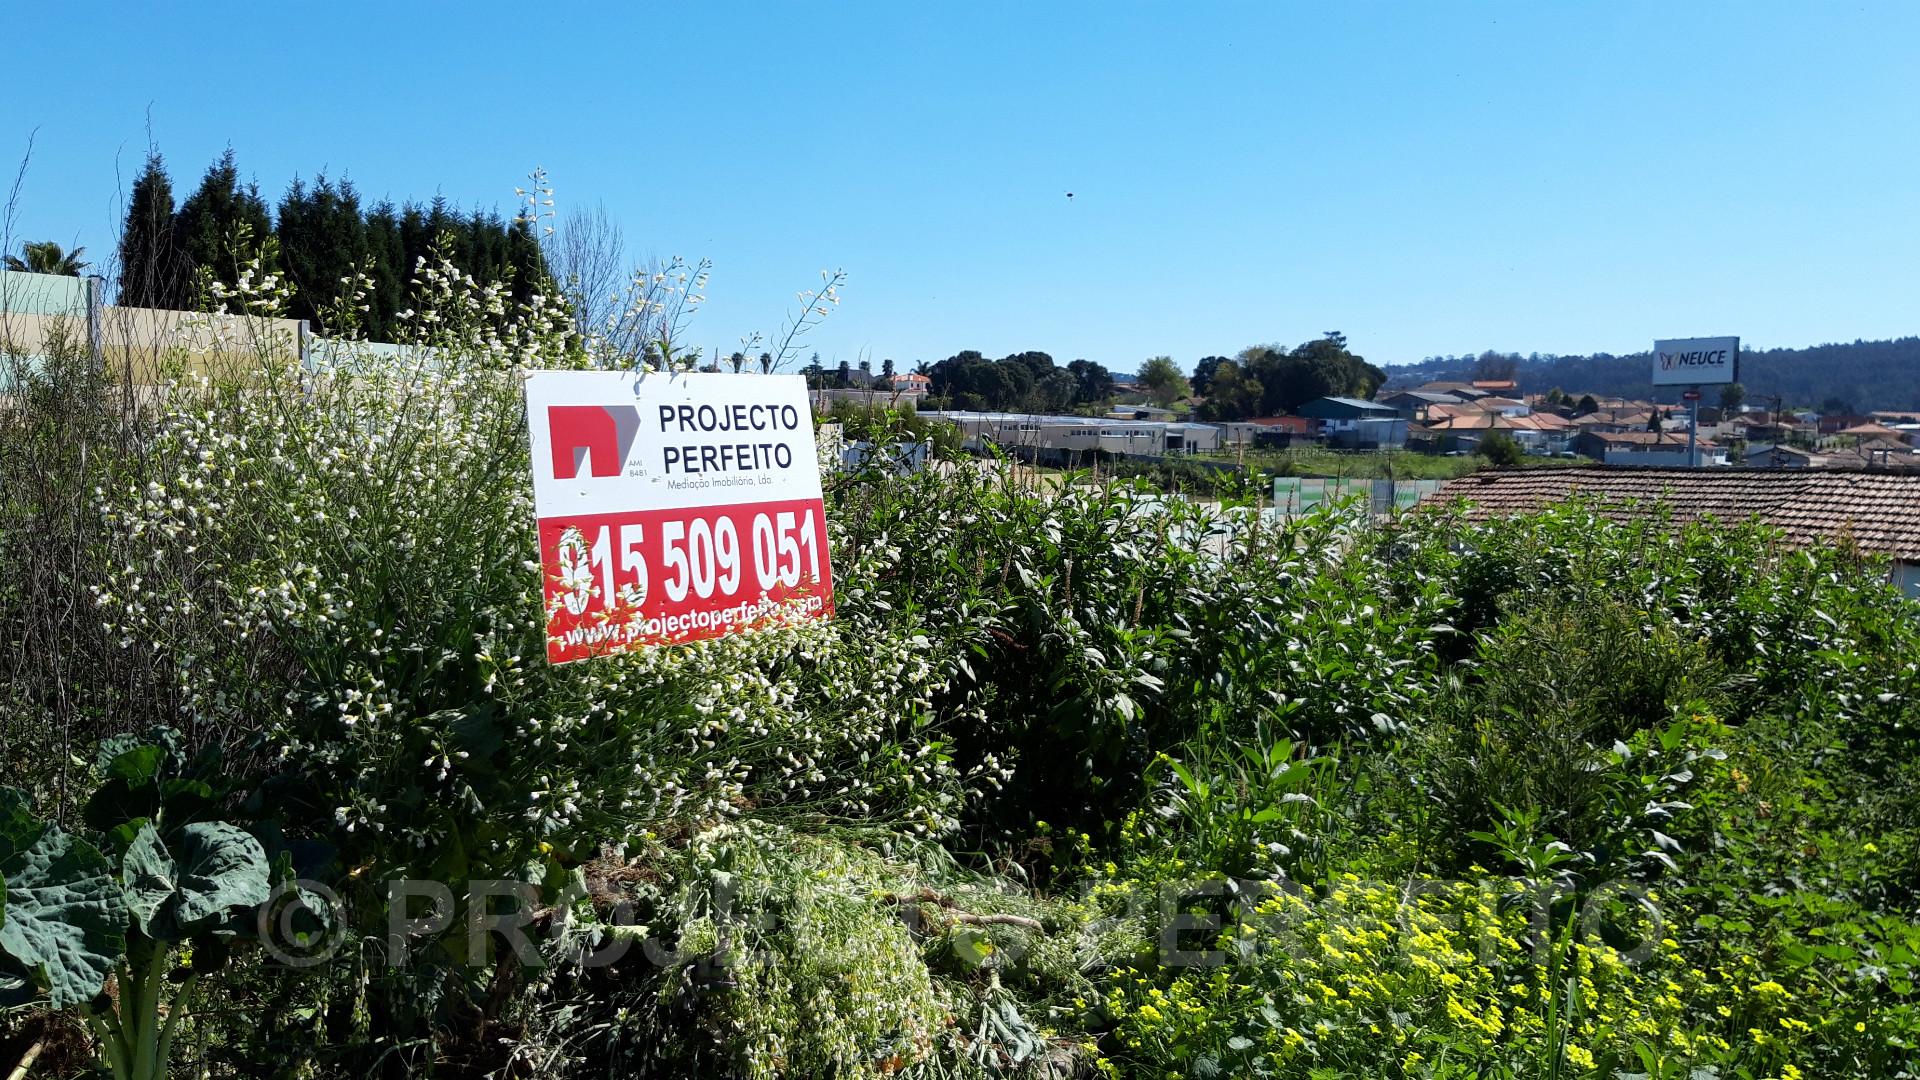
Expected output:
(1413, 404)
(1872, 432)
(1833, 425)
(1870, 455)
(1778, 456)
(1540, 433)
(1506, 405)
(1462, 390)
(1729, 427)
(1647, 448)
(1496, 386)
(1777, 431)
(1271, 431)
(910, 384)
(1604, 422)
(1298, 426)
(1875, 512)
(1355, 423)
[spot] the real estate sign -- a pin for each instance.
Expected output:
(674, 508)
(1696, 361)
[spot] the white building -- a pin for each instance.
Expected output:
(1135, 438)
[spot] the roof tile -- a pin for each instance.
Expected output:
(1878, 510)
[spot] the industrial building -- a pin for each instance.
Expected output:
(1064, 436)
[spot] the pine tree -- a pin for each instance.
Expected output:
(152, 272)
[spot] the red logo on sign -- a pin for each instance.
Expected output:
(597, 434)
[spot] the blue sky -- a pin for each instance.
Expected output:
(1425, 177)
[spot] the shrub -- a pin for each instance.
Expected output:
(1549, 718)
(1500, 448)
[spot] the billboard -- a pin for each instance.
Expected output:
(674, 508)
(1696, 361)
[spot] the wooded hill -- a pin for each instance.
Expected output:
(1839, 377)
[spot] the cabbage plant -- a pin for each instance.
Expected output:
(120, 922)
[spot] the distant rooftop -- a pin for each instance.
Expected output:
(1431, 397)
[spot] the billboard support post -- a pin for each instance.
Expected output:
(1693, 429)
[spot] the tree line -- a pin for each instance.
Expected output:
(319, 237)
(1023, 382)
(1261, 380)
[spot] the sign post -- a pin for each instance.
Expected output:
(1692, 398)
(674, 508)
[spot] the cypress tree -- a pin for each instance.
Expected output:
(213, 218)
(323, 238)
(526, 262)
(152, 273)
(386, 252)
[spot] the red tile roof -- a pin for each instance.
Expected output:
(1874, 431)
(1877, 509)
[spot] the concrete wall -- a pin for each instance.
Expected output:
(157, 345)
(39, 311)
(44, 294)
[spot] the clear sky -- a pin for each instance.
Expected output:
(1426, 177)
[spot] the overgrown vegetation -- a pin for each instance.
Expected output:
(1078, 783)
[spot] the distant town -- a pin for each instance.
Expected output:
(1477, 417)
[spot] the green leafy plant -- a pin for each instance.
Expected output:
(123, 930)
(1248, 809)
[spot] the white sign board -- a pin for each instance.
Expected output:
(674, 508)
(1696, 361)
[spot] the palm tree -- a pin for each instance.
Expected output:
(46, 257)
